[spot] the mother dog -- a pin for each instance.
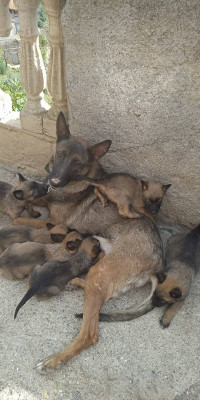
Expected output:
(133, 250)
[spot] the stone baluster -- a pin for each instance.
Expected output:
(5, 19)
(33, 74)
(55, 74)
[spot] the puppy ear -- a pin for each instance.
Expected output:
(62, 130)
(57, 237)
(100, 149)
(19, 194)
(176, 293)
(161, 276)
(21, 178)
(49, 226)
(165, 187)
(144, 185)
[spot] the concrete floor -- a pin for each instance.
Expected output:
(135, 360)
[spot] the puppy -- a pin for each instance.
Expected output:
(14, 200)
(132, 196)
(181, 267)
(53, 276)
(20, 234)
(19, 259)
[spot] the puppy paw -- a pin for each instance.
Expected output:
(164, 323)
(37, 214)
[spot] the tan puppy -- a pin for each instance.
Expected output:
(50, 278)
(20, 234)
(181, 268)
(130, 194)
(19, 259)
(14, 200)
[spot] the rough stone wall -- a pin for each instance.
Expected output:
(133, 75)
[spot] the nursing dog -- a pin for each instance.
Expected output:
(174, 282)
(19, 259)
(20, 234)
(50, 278)
(134, 253)
(14, 200)
(133, 196)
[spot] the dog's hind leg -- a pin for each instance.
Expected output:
(40, 223)
(87, 336)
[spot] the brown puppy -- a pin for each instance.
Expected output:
(130, 194)
(181, 268)
(19, 259)
(49, 279)
(20, 234)
(14, 200)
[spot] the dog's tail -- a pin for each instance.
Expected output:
(131, 312)
(190, 245)
(30, 293)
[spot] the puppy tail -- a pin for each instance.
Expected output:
(131, 312)
(30, 293)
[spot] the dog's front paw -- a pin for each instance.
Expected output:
(48, 364)
(37, 214)
(164, 324)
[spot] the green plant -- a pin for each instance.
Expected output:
(3, 64)
(12, 85)
(42, 16)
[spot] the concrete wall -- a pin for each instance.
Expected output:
(133, 75)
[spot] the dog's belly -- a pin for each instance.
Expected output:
(137, 282)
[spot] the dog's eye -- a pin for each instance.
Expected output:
(59, 154)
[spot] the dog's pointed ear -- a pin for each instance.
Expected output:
(176, 293)
(21, 177)
(161, 276)
(49, 226)
(19, 194)
(62, 130)
(144, 185)
(58, 237)
(165, 187)
(100, 149)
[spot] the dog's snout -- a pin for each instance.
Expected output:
(55, 181)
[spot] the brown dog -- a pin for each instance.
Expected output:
(181, 268)
(173, 283)
(50, 278)
(135, 248)
(14, 200)
(19, 259)
(20, 234)
(130, 194)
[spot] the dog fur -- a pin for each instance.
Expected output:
(20, 234)
(50, 278)
(14, 200)
(19, 259)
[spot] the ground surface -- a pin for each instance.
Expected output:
(134, 360)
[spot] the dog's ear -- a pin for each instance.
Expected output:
(165, 187)
(57, 237)
(161, 276)
(21, 178)
(49, 226)
(62, 130)
(176, 293)
(100, 149)
(144, 185)
(19, 194)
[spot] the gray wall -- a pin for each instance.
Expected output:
(133, 76)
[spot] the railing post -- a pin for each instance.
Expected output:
(55, 73)
(5, 19)
(33, 74)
